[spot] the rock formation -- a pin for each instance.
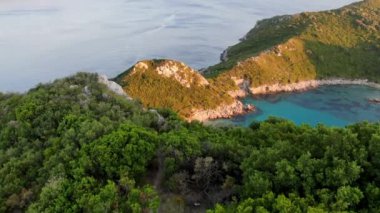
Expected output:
(223, 111)
(113, 86)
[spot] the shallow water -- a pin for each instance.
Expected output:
(330, 105)
(41, 40)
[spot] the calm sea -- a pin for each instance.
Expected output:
(41, 40)
(329, 105)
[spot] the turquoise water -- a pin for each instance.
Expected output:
(329, 105)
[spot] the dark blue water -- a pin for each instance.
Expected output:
(329, 105)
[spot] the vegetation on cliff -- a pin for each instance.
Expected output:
(171, 84)
(342, 43)
(75, 146)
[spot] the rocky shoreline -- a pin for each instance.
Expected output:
(306, 85)
(224, 111)
(238, 108)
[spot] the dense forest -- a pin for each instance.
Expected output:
(74, 146)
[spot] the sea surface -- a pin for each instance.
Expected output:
(330, 105)
(41, 40)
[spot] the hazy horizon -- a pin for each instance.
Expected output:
(42, 40)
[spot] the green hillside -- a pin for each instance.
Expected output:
(343, 43)
(159, 91)
(75, 146)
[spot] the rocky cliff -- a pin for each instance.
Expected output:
(172, 84)
(281, 54)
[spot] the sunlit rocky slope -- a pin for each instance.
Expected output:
(284, 53)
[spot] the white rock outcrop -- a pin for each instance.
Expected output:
(113, 86)
(182, 73)
(223, 111)
(140, 66)
(160, 119)
(243, 90)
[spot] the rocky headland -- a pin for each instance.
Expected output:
(172, 84)
(223, 111)
(281, 54)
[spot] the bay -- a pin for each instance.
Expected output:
(329, 105)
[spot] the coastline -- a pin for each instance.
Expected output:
(222, 111)
(307, 85)
(238, 108)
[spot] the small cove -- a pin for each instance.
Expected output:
(330, 105)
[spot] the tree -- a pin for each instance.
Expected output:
(128, 149)
(143, 200)
(346, 197)
(205, 171)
